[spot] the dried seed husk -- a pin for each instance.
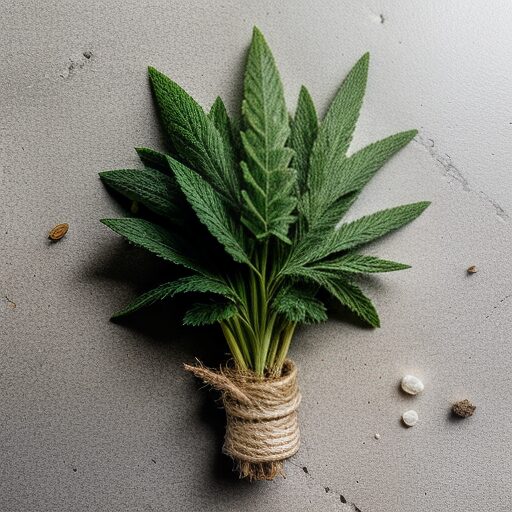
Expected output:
(58, 232)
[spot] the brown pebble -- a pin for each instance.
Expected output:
(58, 232)
(463, 408)
(472, 270)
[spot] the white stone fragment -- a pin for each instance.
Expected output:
(410, 418)
(377, 436)
(412, 385)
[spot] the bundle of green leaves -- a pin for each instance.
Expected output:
(250, 209)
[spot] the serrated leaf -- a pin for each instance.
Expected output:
(371, 227)
(359, 168)
(354, 299)
(211, 211)
(311, 273)
(153, 159)
(269, 194)
(303, 132)
(219, 115)
(196, 138)
(153, 189)
(209, 313)
(359, 264)
(196, 283)
(155, 239)
(299, 305)
(334, 137)
(355, 234)
(331, 217)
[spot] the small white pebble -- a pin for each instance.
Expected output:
(410, 418)
(412, 385)
(377, 436)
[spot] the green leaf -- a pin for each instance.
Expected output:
(357, 170)
(153, 159)
(334, 137)
(360, 264)
(196, 283)
(155, 239)
(371, 227)
(269, 194)
(330, 218)
(211, 211)
(219, 115)
(149, 187)
(299, 305)
(354, 299)
(210, 313)
(196, 138)
(311, 273)
(303, 132)
(356, 233)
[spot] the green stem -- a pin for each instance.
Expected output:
(242, 338)
(233, 347)
(283, 349)
(254, 301)
(267, 336)
(263, 285)
(273, 346)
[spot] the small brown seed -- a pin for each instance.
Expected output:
(472, 270)
(58, 232)
(463, 408)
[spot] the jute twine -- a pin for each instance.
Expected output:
(262, 427)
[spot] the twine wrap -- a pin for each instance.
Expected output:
(262, 424)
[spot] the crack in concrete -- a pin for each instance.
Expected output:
(453, 172)
(327, 489)
(10, 303)
(498, 304)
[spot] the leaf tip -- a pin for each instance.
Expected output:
(365, 59)
(304, 93)
(107, 222)
(256, 32)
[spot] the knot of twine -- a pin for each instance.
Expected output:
(262, 424)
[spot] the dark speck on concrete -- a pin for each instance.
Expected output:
(327, 489)
(342, 499)
(153, 461)
(74, 470)
(382, 19)
(305, 469)
(87, 55)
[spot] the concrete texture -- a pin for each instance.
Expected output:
(100, 417)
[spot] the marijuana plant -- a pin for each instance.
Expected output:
(250, 209)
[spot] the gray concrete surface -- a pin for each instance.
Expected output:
(100, 417)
